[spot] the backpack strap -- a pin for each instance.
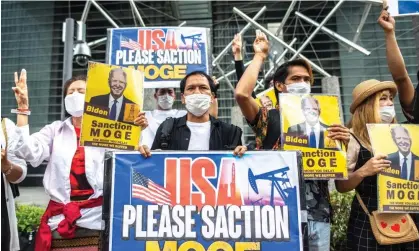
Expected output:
(231, 136)
(166, 132)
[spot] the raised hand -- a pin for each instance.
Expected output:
(21, 90)
(386, 21)
(339, 132)
(141, 120)
(237, 47)
(261, 44)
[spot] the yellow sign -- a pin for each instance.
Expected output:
(304, 122)
(267, 99)
(398, 185)
(114, 97)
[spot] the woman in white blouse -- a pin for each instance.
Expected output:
(13, 171)
(74, 175)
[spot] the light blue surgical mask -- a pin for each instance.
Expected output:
(299, 88)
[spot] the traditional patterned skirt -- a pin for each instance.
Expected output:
(85, 240)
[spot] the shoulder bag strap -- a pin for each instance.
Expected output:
(362, 204)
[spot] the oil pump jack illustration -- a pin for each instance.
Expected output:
(195, 38)
(279, 182)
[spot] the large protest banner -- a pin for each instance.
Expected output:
(304, 123)
(164, 54)
(398, 186)
(114, 97)
(203, 201)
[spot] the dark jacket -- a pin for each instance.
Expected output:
(103, 101)
(395, 163)
(223, 136)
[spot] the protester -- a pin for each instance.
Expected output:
(13, 172)
(197, 130)
(409, 98)
(291, 77)
(74, 175)
(165, 98)
(372, 103)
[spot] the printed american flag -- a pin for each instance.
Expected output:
(130, 44)
(145, 189)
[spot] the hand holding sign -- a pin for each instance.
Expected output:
(141, 120)
(375, 165)
(261, 44)
(339, 132)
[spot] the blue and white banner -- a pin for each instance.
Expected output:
(403, 7)
(164, 54)
(205, 201)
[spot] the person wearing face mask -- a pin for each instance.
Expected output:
(312, 129)
(291, 77)
(197, 130)
(372, 101)
(73, 177)
(165, 97)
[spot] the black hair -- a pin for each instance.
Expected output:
(210, 81)
(283, 70)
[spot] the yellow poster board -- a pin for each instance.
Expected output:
(398, 185)
(304, 122)
(114, 97)
(267, 99)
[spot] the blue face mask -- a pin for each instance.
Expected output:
(299, 88)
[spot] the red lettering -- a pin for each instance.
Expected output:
(170, 40)
(157, 42)
(183, 181)
(228, 190)
(206, 194)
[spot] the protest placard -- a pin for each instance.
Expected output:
(267, 99)
(398, 186)
(304, 123)
(204, 201)
(114, 97)
(164, 54)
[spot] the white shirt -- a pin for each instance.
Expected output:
(118, 105)
(12, 139)
(408, 162)
(155, 119)
(200, 135)
(316, 132)
(57, 144)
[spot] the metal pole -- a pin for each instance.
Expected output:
(228, 74)
(85, 11)
(308, 40)
(245, 28)
(104, 13)
(222, 73)
(247, 18)
(361, 23)
(68, 56)
(285, 18)
(182, 24)
(276, 63)
(137, 13)
(333, 34)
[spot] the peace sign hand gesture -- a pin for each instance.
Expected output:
(261, 44)
(21, 90)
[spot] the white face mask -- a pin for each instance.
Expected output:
(387, 114)
(198, 104)
(74, 104)
(299, 88)
(165, 101)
